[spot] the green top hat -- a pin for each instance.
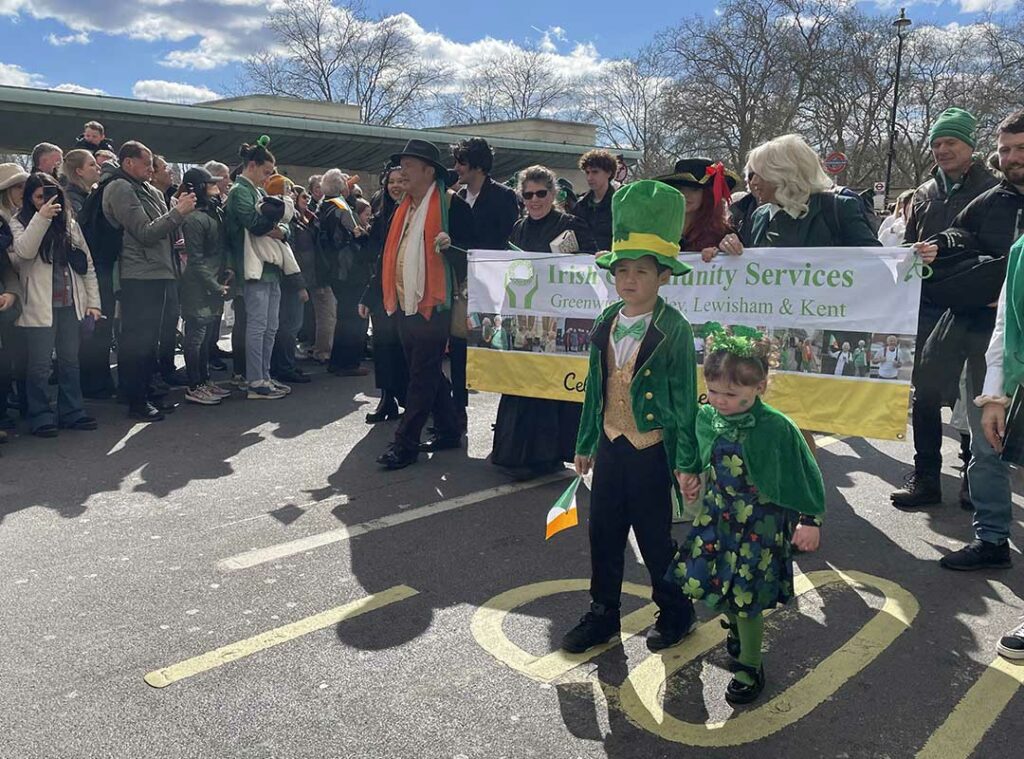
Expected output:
(647, 220)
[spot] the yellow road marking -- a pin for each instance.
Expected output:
(827, 440)
(486, 627)
(161, 678)
(977, 711)
(641, 693)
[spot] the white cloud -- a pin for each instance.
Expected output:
(13, 75)
(171, 92)
(79, 89)
(979, 6)
(79, 38)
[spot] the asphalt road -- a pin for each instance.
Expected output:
(135, 550)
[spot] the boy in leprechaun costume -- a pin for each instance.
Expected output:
(639, 417)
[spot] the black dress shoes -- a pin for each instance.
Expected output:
(397, 458)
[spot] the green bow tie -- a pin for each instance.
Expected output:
(637, 330)
(730, 427)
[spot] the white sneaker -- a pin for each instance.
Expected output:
(202, 396)
(263, 391)
(280, 386)
(216, 390)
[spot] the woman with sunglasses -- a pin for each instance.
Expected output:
(534, 436)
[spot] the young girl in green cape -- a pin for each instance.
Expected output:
(764, 495)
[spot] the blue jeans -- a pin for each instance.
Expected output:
(988, 478)
(290, 322)
(41, 341)
(262, 303)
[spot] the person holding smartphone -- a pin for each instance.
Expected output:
(59, 285)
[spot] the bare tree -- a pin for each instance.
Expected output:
(516, 84)
(334, 52)
(626, 101)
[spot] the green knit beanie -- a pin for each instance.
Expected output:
(954, 122)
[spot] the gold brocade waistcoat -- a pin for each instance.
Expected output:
(618, 405)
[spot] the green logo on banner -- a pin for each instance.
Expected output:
(519, 277)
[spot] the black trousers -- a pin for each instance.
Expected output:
(350, 329)
(94, 351)
(457, 348)
(142, 312)
(429, 392)
(169, 331)
(632, 488)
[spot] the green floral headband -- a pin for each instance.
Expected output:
(743, 342)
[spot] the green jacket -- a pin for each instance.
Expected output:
(200, 292)
(240, 214)
(664, 387)
(831, 221)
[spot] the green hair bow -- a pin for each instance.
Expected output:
(263, 141)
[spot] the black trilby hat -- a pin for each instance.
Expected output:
(425, 151)
(693, 172)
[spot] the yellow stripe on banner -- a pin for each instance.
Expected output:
(818, 402)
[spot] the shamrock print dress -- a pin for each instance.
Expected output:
(737, 557)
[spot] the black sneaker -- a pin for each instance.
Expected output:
(1011, 645)
(918, 491)
(597, 626)
(669, 630)
(978, 554)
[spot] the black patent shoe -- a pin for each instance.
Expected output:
(396, 458)
(386, 410)
(669, 630)
(739, 692)
(919, 491)
(595, 628)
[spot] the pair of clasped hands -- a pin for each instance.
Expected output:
(689, 484)
(732, 246)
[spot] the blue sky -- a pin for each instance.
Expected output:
(188, 50)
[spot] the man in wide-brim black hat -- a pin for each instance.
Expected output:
(424, 256)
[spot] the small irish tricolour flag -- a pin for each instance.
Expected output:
(563, 513)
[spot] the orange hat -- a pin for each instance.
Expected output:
(277, 184)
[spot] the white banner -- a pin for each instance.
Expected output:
(844, 289)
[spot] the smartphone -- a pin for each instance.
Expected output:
(50, 192)
(188, 188)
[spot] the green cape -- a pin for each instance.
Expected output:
(781, 465)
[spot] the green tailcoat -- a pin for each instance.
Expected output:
(664, 386)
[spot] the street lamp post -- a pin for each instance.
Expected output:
(902, 23)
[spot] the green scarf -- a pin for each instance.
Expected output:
(781, 465)
(1013, 350)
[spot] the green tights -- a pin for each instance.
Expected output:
(751, 634)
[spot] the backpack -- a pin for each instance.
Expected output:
(104, 239)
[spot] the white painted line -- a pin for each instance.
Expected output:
(259, 556)
(120, 444)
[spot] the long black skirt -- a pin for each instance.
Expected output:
(534, 432)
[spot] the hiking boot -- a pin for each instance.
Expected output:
(978, 554)
(201, 395)
(669, 630)
(919, 491)
(1011, 645)
(597, 626)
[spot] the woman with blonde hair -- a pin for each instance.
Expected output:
(79, 174)
(797, 205)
